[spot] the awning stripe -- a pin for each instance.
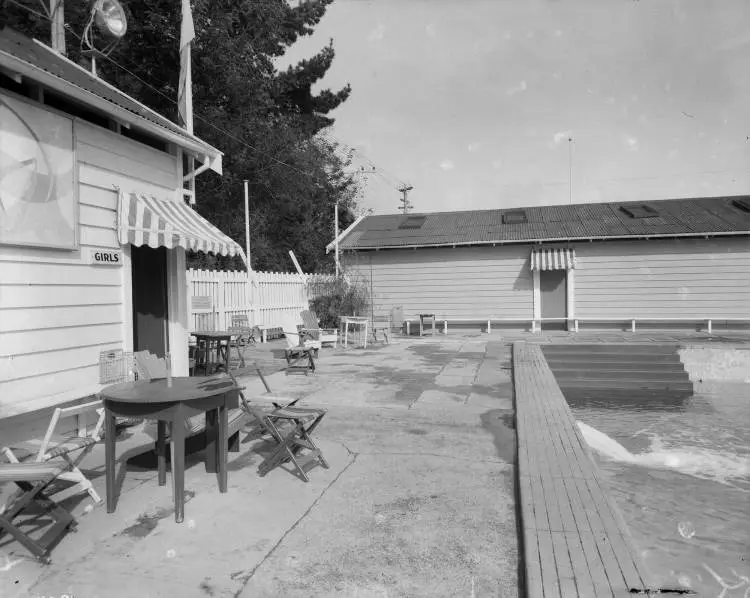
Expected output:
(146, 220)
(553, 258)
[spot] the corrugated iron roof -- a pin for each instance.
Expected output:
(16, 45)
(675, 217)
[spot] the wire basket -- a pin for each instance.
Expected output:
(117, 366)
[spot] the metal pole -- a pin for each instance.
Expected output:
(247, 225)
(570, 170)
(336, 235)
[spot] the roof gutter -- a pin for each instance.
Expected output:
(187, 141)
(552, 240)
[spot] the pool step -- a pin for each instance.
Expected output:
(588, 373)
(624, 371)
(643, 365)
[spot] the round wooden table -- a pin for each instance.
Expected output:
(172, 403)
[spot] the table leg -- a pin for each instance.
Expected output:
(161, 450)
(210, 458)
(110, 459)
(177, 441)
(221, 454)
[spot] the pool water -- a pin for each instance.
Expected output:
(682, 482)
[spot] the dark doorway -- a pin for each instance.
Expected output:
(553, 287)
(150, 299)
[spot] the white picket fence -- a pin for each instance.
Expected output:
(266, 298)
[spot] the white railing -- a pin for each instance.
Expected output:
(573, 322)
(266, 298)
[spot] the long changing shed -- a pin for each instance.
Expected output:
(672, 262)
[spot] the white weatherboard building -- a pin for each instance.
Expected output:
(93, 228)
(672, 263)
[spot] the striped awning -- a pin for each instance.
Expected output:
(557, 258)
(146, 220)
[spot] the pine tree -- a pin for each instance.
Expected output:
(269, 124)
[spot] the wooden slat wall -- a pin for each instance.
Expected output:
(669, 278)
(467, 282)
(56, 312)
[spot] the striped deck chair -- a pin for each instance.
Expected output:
(32, 480)
(70, 447)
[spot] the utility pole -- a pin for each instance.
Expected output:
(405, 205)
(56, 11)
(570, 169)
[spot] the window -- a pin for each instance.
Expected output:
(412, 222)
(515, 217)
(639, 211)
(742, 204)
(70, 107)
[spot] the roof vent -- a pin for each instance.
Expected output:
(515, 217)
(639, 211)
(412, 222)
(742, 204)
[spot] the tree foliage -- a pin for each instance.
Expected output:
(269, 123)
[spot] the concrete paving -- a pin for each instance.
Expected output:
(418, 499)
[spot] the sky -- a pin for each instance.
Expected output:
(472, 102)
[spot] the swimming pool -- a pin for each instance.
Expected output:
(680, 473)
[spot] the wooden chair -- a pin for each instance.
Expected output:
(71, 447)
(32, 480)
(241, 336)
(290, 429)
(299, 353)
(383, 326)
(311, 328)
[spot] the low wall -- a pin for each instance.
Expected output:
(726, 364)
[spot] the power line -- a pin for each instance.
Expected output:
(172, 100)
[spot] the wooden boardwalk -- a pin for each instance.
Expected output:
(575, 542)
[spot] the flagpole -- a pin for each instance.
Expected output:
(185, 91)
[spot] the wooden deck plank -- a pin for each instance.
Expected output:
(550, 583)
(579, 535)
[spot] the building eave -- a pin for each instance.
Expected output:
(549, 240)
(190, 143)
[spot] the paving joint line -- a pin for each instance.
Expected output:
(246, 579)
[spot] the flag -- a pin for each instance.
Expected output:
(185, 91)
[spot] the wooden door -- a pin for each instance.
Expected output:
(553, 291)
(150, 316)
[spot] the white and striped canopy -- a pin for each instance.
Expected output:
(145, 220)
(558, 258)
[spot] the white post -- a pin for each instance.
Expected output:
(710, 326)
(571, 296)
(537, 300)
(221, 308)
(632, 325)
(57, 10)
(336, 235)
(247, 226)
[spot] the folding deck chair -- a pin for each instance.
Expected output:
(290, 429)
(313, 330)
(299, 353)
(71, 447)
(32, 480)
